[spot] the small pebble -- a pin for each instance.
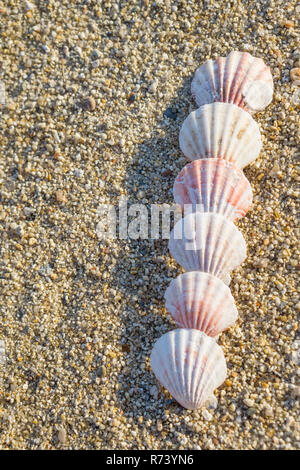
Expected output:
(170, 113)
(295, 391)
(95, 64)
(249, 403)
(207, 415)
(29, 6)
(211, 403)
(101, 372)
(153, 86)
(154, 392)
(13, 386)
(131, 98)
(89, 104)
(46, 48)
(166, 172)
(60, 196)
(62, 435)
(295, 74)
(78, 172)
(32, 241)
(268, 411)
(123, 31)
(251, 411)
(95, 54)
(159, 426)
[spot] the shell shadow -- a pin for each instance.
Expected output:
(145, 318)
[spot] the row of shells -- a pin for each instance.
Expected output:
(219, 139)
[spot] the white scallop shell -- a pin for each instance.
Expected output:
(221, 130)
(207, 242)
(213, 185)
(189, 364)
(239, 78)
(201, 301)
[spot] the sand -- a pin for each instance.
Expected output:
(95, 95)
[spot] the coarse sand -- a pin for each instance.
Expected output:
(95, 95)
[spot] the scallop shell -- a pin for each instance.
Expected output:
(189, 364)
(201, 301)
(238, 78)
(213, 185)
(221, 130)
(207, 242)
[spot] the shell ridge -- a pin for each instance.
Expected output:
(227, 77)
(241, 74)
(227, 249)
(230, 196)
(207, 306)
(220, 241)
(212, 78)
(173, 357)
(192, 370)
(195, 300)
(208, 387)
(201, 384)
(180, 301)
(235, 58)
(239, 78)
(230, 129)
(210, 240)
(213, 184)
(219, 63)
(183, 361)
(198, 374)
(232, 236)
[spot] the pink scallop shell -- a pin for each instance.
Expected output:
(238, 78)
(213, 185)
(201, 301)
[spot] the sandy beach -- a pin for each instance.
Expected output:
(94, 94)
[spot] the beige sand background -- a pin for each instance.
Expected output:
(87, 87)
